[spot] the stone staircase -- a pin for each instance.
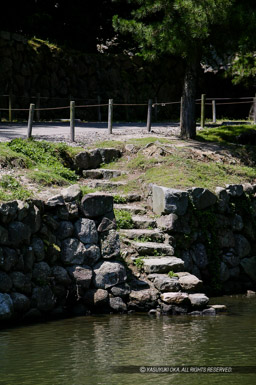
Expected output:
(149, 254)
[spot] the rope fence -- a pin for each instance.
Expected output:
(72, 107)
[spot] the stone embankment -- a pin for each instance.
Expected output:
(214, 234)
(64, 256)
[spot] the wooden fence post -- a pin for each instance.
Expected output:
(38, 106)
(72, 121)
(181, 110)
(110, 115)
(30, 120)
(203, 110)
(99, 110)
(213, 111)
(10, 107)
(149, 117)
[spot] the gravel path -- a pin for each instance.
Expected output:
(85, 133)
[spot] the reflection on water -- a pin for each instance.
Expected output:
(83, 350)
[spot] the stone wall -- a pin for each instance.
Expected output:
(215, 234)
(29, 68)
(60, 257)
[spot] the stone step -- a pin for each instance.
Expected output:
(105, 184)
(182, 281)
(143, 222)
(102, 173)
(128, 198)
(162, 265)
(152, 248)
(133, 209)
(143, 235)
(196, 301)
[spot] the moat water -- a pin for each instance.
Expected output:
(110, 349)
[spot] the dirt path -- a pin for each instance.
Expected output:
(85, 133)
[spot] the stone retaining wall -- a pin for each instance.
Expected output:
(60, 257)
(215, 234)
(28, 68)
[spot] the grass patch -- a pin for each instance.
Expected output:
(36, 43)
(11, 189)
(142, 162)
(224, 134)
(142, 142)
(123, 219)
(10, 158)
(179, 172)
(47, 161)
(87, 190)
(131, 186)
(119, 199)
(108, 144)
(139, 263)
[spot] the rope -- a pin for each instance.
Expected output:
(51, 108)
(164, 104)
(91, 105)
(220, 104)
(246, 97)
(120, 104)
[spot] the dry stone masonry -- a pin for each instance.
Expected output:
(214, 234)
(63, 256)
(60, 257)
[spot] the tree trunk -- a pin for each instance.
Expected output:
(188, 117)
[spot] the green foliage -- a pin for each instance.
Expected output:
(87, 190)
(123, 219)
(174, 27)
(171, 274)
(243, 69)
(11, 189)
(119, 199)
(47, 158)
(139, 263)
(180, 170)
(141, 162)
(224, 134)
(142, 239)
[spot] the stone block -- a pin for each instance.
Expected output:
(86, 231)
(82, 275)
(71, 193)
(96, 205)
(202, 198)
(108, 274)
(72, 251)
(177, 298)
(169, 201)
(198, 300)
(235, 190)
(6, 306)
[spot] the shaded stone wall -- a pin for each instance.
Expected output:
(28, 69)
(60, 257)
(214, 234)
